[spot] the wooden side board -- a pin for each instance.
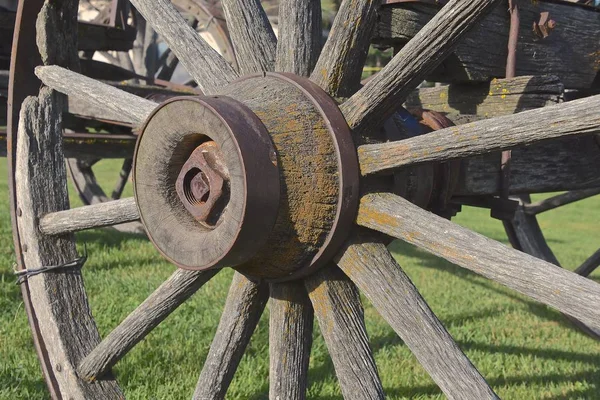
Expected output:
(571, 51)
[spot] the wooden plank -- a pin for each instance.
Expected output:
(93, 37)
(339, 68)
(338, 309)
(110, 102)
(300, 36)
(547, 283)
(252, 36)
(576, 117)
(558, 165)
(571, 51)
(371, 266)
(58, 298)
(159, 305)
(380, 96)
(202, 62)
(290, 340)
(87, 217)
(490, 99)
(244, 306)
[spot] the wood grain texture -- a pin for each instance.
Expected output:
(559, 200)
(113, 102)
(290, 340)
(58, 299)
(88, 217)
(252, 36)
(208, 68)
(339, 68)
(572, 118)
(370, 265)
(490, 99)
(300, 36)
(337, 306)
(180, 286)
(547, 283)
(379, 98)
(570, 163)
(244, 306)
(571, 50)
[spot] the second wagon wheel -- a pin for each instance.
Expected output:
(207, 18)
(264, 176)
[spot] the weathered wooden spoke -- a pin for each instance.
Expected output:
(201, 61)
(589, 265)
(380, 97)
(337, 306)
(253, 38)
(559, 201)
(159, 305)
(93, 216)
(115, 104)
(290, 340)
(339, 68)
(300, 39)
(540, 280)
(572, 118)
(370, 265)
(245, 303)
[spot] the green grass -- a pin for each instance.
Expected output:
(524, 349)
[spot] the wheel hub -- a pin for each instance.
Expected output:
(263, 178)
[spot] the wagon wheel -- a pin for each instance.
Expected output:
(525, 234)
(264, 176)
(207, 18)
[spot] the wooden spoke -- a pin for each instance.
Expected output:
(245, 303)
(589, 265)
(338, 309)
(290, 340)
(571, 118)
(370, 265)
(88, 217)
(168, 66)
(201, 61)
(159, 305)
(123, 177)
(110, 102)
(339, 68)
(252, 36)
(380, 97)
(564, 290)
(300, 36)
(559, 200)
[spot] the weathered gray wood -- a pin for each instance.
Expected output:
(572, 118)
(370, 265)
(379, 98)
(300, 36)
(564, 290)
(159, 305)
(116, 103)
(290, 340)
(570, 51)
(339, 68)
(570, 163)
(589, 265)
(337, 306)
(559, 200)
(88, 217)
(490, 99)
(58, 299)
(245, 304)
(202, 62)
(252, 36)
(145, 50)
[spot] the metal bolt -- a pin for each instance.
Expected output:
(202, 184)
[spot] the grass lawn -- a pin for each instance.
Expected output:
(524, 349)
